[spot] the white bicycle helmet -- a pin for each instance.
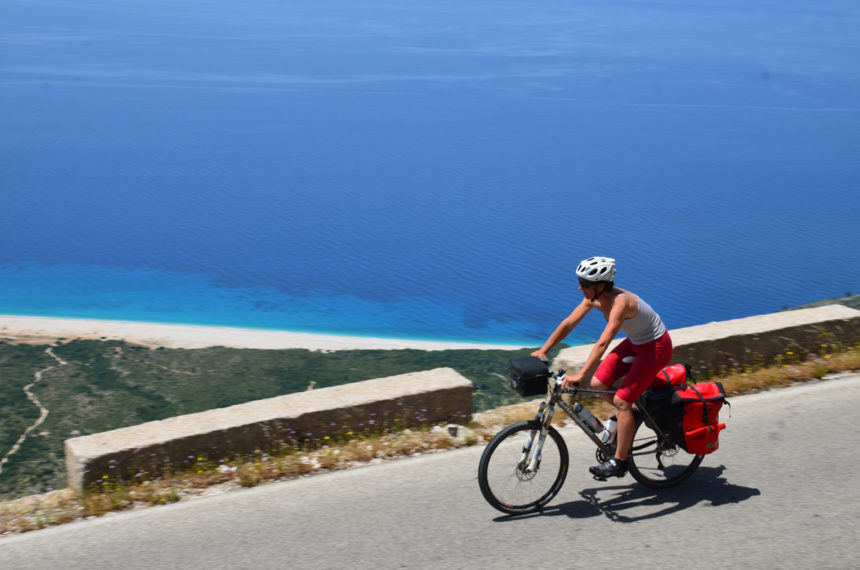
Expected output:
(597, 269)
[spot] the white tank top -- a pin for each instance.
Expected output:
(645, 326)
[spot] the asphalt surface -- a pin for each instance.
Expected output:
(782, 491)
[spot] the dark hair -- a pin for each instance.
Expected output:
(586, 284)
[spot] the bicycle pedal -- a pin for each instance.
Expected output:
(596, 478)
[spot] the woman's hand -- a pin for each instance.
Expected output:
(572, 380)
(540, 353)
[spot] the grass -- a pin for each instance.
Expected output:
(204, 477)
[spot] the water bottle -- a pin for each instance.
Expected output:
(587, 417)
(609, 429)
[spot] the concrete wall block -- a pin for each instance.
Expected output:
(161, 447)
(765, 349)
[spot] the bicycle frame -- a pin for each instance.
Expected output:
(547, 410)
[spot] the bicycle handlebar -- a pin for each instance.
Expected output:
(559, 378)
(559, 375)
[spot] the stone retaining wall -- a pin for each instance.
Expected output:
(423, 397)
(753, 341)
(157, 447)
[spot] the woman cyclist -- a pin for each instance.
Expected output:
(647, 340)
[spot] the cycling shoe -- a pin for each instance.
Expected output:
(612, 468)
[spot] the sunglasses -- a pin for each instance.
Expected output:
(586, 284)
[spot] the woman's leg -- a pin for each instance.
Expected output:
(612, 368)
(650, 359)
(626, 428)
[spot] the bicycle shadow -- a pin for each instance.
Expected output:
(636, 502)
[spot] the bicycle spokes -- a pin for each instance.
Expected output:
(523, 467)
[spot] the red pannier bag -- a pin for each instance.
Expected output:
(696, 427)
(673, 375)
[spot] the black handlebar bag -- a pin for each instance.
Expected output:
(529, 376)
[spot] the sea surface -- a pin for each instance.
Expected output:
(425, 169)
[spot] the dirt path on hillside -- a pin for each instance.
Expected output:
(43, 411)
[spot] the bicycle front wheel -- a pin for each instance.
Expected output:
(510, 481)
(655, 461)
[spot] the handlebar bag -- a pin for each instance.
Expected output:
(529, 376)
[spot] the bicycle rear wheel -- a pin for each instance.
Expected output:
(503, 474)
(657, 462)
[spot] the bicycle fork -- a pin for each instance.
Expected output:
(530, 459)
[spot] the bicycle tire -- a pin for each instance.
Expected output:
(504, 482)
(657, 462)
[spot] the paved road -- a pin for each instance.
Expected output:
(782, 491)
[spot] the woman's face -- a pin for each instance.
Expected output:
(586, 286)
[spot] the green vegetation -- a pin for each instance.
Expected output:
(18, 365)
(106, 385)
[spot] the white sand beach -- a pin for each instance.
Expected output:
(46, 329)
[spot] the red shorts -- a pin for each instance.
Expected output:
(651, 357)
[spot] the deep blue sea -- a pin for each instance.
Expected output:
(425, 169)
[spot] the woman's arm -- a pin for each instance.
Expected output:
(564, 328)
(613, 325)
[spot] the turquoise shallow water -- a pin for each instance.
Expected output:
(424, 170)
